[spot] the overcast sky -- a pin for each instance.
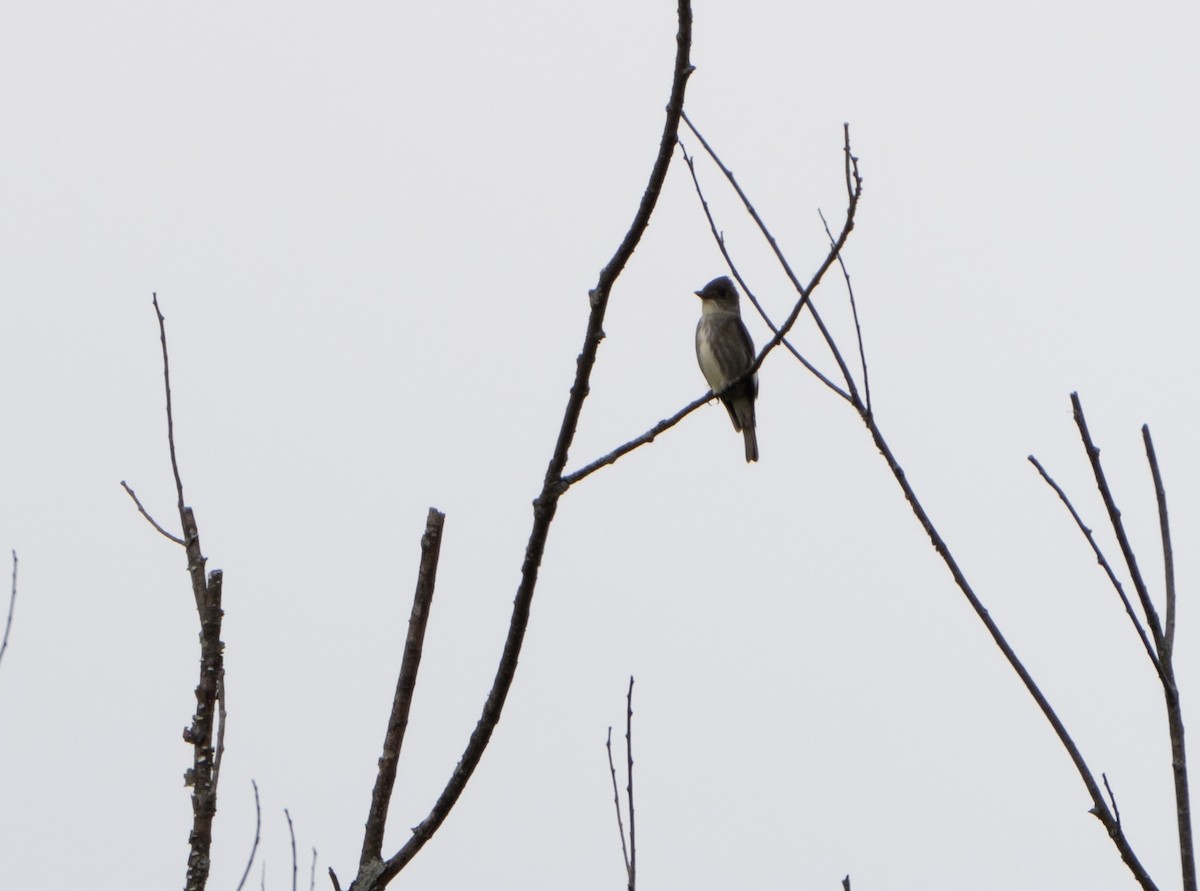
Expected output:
(372, 229)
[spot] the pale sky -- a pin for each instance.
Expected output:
(372, 229)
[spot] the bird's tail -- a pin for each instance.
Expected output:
(751, 442)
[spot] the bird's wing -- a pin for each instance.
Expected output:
(731, 344)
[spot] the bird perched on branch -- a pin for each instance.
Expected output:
(725, 352)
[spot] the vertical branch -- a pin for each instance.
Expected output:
(292, 834)
(12, 603)
(207, 743)
(162, 336)
(1160, 496)
(612, 772)
(629, 785)
(630, 852)
(385, 780)
(1183, 812)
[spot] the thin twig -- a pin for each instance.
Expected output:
(162, 334)
(12, 604)
(846, 883)
(1183, 807)
(207, 747)
(219, 748)
(629, 786)
(720, 240)
(257, 835)
(1112, 798)
(804, 292)
(1104, 564)
(862, 355)
(780, 333)
(292, 833)
(572, 478)
(145, 513)
(612, 771)
(1114, 516)
(1160, 496)
(312, 876)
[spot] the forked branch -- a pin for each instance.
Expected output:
(1100, 807)
(207, 730)
(553, 486)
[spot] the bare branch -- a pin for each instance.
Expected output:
(1114, 516)
(146, 514)
(292, 834)
(720, 240)
(620, 451)
(805, 292)
(162, 334)
(1160, 495)
(546, 504)
(862, 355)
(312, 876)
(629, 786)
(612, 771)
(1103, 561)
(780, 333)
(257, 835)
(1099, 807)
(1183, 807)
(1112, 798)
(385, 781)
(12, 604)
(207, 746)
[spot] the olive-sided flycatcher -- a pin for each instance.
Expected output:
(724, 351)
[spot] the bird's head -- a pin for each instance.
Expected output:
(720, 293)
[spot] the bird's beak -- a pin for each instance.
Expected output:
(698, 294)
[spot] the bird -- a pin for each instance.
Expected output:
(725, 352)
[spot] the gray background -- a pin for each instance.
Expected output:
(372, 229)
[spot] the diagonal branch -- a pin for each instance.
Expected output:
(546, 503)
(720, 240)
(1160, 496)
(153, 522)
(1114, 516)
(1099, 808)
(1103, 561)
(780, 334)
(431, 545)
(804, 292)
(620, 451)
